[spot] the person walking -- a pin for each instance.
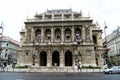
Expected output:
(80, 66)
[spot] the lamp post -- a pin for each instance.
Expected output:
(107, 62)
(105, 35)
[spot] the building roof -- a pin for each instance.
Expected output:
(7, 38)
(60, 11)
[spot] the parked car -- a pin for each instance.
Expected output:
(114, 69)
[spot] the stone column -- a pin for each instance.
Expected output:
(32, 34)
(49, 59)
(87, 32)
(43, 17)
(52, 34)
(62, 16)
(25, 34)
(90, 31)
(62, 34)
(72, 16)
(73, 34)
(83, 33)
(99, 39)
(42, 34)
(62, 60)
(73, 58)
(52, 16)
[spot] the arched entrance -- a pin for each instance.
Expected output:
(43, 58)
(68, 58)
(55, 58)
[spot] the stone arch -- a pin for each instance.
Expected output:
(38, 35)
(55, 58)
(48, 34)
(78, 33)
(68, 33)
(43, 58)
(57, 33)
(68, 58)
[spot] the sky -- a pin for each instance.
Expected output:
(13, 13)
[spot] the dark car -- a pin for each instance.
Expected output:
(114, 69)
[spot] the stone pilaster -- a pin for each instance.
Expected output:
(49, 59)
(25, 34)
(83, 33)
(62, 59)
(72, 16)
(73, 34)
(52, 34)
(43, 17)
(52, 16)
(42, 34)
(62, 32)
(73, 58)
(62, 16)
(90, 31)
(32, 34)
(99, 39)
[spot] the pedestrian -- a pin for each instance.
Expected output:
(75, 67)
(80, 66)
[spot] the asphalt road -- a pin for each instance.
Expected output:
(58, 76)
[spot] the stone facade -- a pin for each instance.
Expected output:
(61, 38)
(9, 52)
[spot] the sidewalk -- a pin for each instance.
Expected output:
(53, 70)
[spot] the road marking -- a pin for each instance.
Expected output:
(19, 79)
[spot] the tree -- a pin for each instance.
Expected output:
(113, 60)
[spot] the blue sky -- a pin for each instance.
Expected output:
(13, 13)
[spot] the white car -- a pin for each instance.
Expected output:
(114, 69)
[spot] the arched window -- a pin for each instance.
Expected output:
(77, 33)
(57, 33)
(48, 34)
(38, 35)
(67, 33)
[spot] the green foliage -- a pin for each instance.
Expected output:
(22, 67)
(90, 67)
(113, 60)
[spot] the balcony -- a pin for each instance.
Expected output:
(58, 19)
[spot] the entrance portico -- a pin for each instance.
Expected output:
(61, 58)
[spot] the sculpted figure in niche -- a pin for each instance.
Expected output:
(87, 33)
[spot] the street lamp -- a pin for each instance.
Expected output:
(107, 62)
(105, 35)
